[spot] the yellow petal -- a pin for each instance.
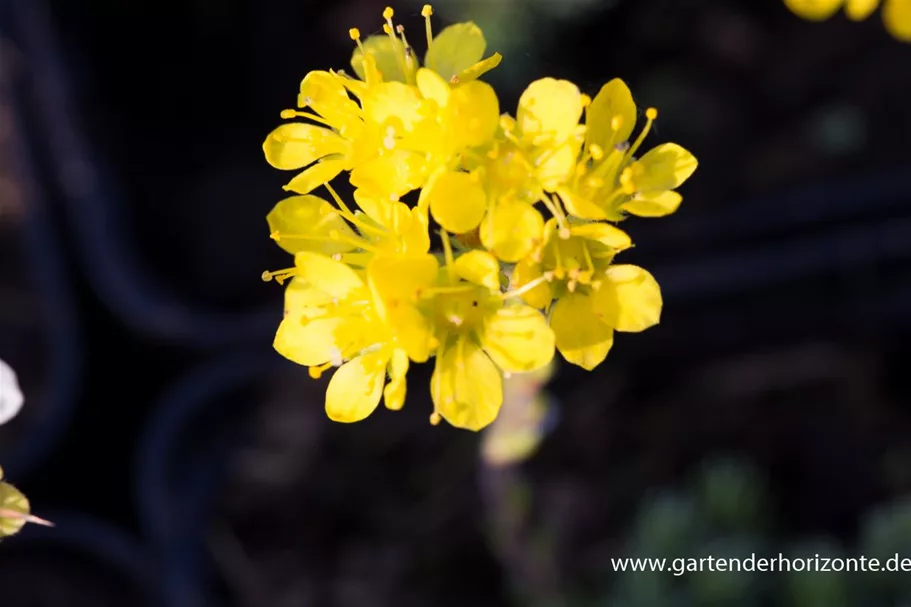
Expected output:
(355, 389)
(629, 299)
(316, 175)
(858, 10)
(308, 342)
(665, 167)
(302, 298)
(654, 204)
(558, 164)
(581, 337)
(604, 233)
(466, 386)
(13, 500)
(814, 10)
(525, 271)
(390, 175)
(304, 223)
(897, 17)
(295, 145)
(456, 48)
(325, 93)
(578, 205)
(480, 68)
(612, 105)
(393, 103)
(394, 393)
(473, 114)
(326, 274)
(549, 110)
(511, 230)
(432, 86)
(384, 52)
(395, 283)
(479, 267)
(457, 201)
(518, 339)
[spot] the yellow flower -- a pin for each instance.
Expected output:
(477, 332)
(455, 53)
(608, 180)
(330, 321)
(896, 13)
(592, 296)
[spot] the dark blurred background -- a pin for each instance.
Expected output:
(186, 464)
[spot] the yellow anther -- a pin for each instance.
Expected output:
(564, 233)
(596, 151)
(267, 276)
(435, 419)
(651, 113)
(288, 114)
(454, 79)
(354, 33)
(616, 122)
(427, 10)
(387, 29)
(317, 371)
(586, 100)
(388, 13)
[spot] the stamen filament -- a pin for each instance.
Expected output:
(279, 275)
(345, 212)
(447, 251)
(428, 28)
(557, 212)
(528, 286)
(650, 115)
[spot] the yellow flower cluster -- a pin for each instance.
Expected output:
(896, 13)
(508, 287)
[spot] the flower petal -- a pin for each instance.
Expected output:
(304, 223)
(511, 230)
(580, 335)
(395, 283)
(479, 267)
(295, 145)
(457, 201)
(326, 94)
(814, 10)
(665, 167)
(525, 271)
(518, 339)
(466, 386)
(391, 175)
(456, 48)
(355, 389)
(629, 299)
(604, 233)
(480, 68)
(614, 102)
(654, 204)
(302, 297)
(384, 52)
(473, 114)
(897, 17)
(394, 393)
(308, 342)
(11, 398)
(316, 175)
(549, 110)
(326, 274)
(393, 103)
(579, 205)
(432, 86)
(858, 10)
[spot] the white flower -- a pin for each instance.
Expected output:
(11, 398)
